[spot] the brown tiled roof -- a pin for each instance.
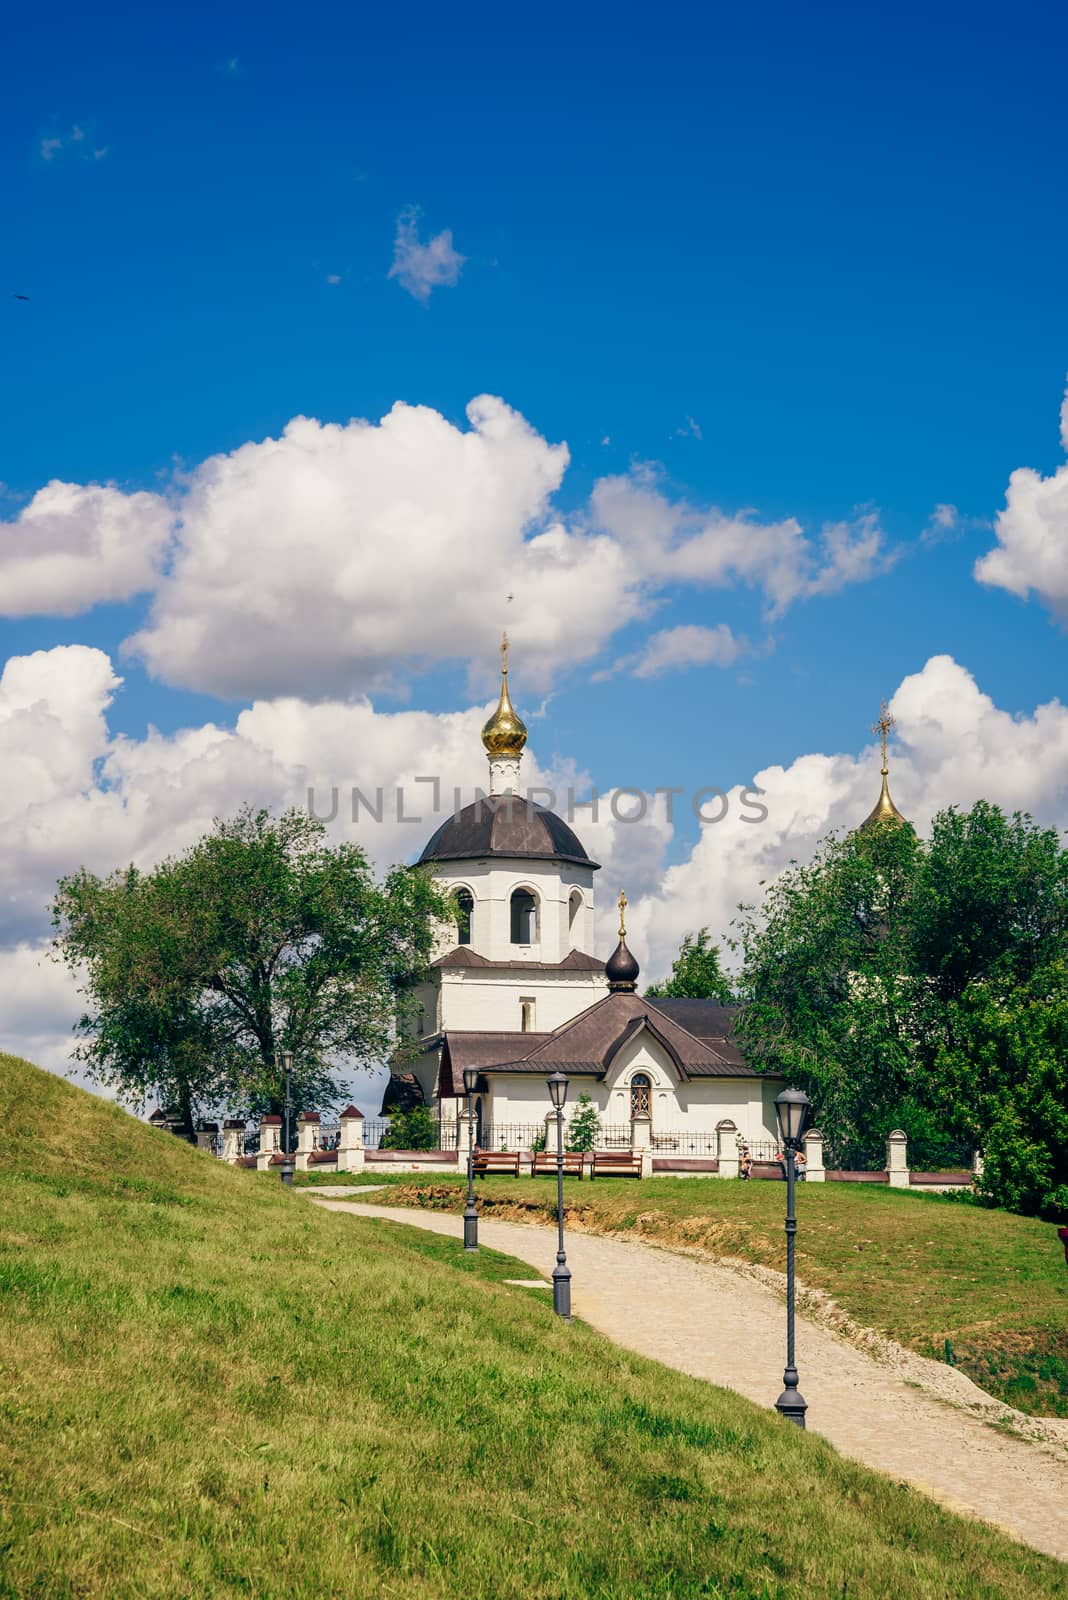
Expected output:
(588, 1045)
(322, 1158)
(461, 1049)
(350, 1111)
(271, 1122)
(309, 1116)
(574, 961)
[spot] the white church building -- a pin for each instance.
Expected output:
(515, 991)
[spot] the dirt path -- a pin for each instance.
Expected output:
(714, 1324)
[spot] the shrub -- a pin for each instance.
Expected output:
(585, 1126)
(411, 1130)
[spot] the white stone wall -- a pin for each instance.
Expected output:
(492, 884)
(698, 1105)
(477, 1001)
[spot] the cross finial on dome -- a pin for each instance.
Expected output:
(884, 809)
(504, 736)
(885, 723)
(622, 903)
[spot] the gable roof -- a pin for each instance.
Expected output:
(462, 1049)
(588, 1045)
(705, 1019)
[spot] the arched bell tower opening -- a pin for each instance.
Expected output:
(465, 912)
(524, 917)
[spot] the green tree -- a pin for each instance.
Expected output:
(695, 973)
(923, 985)
(828, 989)
(584, 1128)
(414, 1129)
(258, 939)
(1002, 1068)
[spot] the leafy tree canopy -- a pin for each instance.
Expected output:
(260, 938)
(695, 973)
(922, 985)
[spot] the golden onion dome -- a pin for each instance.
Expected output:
(505, 733)
(884, 809)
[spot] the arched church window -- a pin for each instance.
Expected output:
(640, 1095)
(465, 909)
(574, 909)
(524, 917)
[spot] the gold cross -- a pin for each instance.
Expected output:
(883, 727)
(622, 911)
(504, 654)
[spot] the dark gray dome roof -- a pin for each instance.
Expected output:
(622, 969)
(506, 825)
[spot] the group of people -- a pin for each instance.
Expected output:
(745, 1169)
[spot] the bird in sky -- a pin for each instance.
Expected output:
(22, 297)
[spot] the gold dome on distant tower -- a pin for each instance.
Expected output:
(505, 733)
(884, 809)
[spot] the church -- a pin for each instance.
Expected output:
(515, 992)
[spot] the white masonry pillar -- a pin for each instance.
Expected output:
(552, 1144)
(206, 1137)
(897, 1159)
(233, 1139)
(307, 1139)
(350, 1144)
(727, 1148)
(812, 1144)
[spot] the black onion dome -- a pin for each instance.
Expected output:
(621, 969)
(506, 825)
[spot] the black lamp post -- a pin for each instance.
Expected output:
(791, 1110)
(470, 1210)
(287, 1111)
(561, 1272)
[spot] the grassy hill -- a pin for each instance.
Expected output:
(210, 1388)
(928, 1271)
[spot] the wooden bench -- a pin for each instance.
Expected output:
(612, 1164)
(544, 1163)
(496, 1162)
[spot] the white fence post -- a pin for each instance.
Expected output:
(350, 1141)
(466, 1126)
(270, 1141)
(551, 1141)
(812, 1144)
(897, 1159)
(727, 1151)
(206, 1134)
(307, 1139)
(233, 1146)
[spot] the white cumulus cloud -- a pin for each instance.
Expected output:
(76, 545)
(1031, 553)
(76, 794)
(953, 746)
(314, 563)
(421, 268)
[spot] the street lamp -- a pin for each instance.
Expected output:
(470, 1210)
(287, 1111)
(791, 1109)
(561, 1272)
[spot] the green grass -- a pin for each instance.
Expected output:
(210, 1388)
(922, 1268)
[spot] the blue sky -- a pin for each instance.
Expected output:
(808, 261)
